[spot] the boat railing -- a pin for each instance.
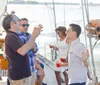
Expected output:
(47, 52)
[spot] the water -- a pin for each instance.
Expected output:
(44, 14)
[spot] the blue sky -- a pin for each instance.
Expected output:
(72, 1)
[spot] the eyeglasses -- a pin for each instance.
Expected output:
(58, 33)
(25, 25)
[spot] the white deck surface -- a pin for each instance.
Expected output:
(49, 77)
(3, 81)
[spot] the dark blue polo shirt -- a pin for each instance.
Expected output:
(18, 65)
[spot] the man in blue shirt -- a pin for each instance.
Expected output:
(24, 36)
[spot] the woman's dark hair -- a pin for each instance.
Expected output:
(76, 28)
(61, 29)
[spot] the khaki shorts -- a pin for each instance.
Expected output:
(33, 78)
(24, 81)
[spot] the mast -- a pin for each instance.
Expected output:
(95, 80)
(55, 25)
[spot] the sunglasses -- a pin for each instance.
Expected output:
(25, 25)
(58, 33)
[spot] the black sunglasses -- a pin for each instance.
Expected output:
(25, 25)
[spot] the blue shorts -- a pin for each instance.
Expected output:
(78, 83)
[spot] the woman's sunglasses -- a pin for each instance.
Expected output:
(25, 25)
(58, 33)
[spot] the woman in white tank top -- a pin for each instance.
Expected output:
(61, 48)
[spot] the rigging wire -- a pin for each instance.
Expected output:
(84, 24)
(95, 43)
(95, 81)
(55, 23)
(83, 14)
(52, 19)
(54, 14)
(64, 14)
(87, 10)
(50, 14)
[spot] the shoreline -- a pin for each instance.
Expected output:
(49, 3)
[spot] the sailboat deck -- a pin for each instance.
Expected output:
(49, 74)
(49, 78)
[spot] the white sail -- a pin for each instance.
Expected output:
(3, 4)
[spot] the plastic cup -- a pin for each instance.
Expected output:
(58, 64)
(50, 46)
(35, 28)
(62, 59)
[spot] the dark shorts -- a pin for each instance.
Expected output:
(8, 83)
(78, 83)
(42, 66)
